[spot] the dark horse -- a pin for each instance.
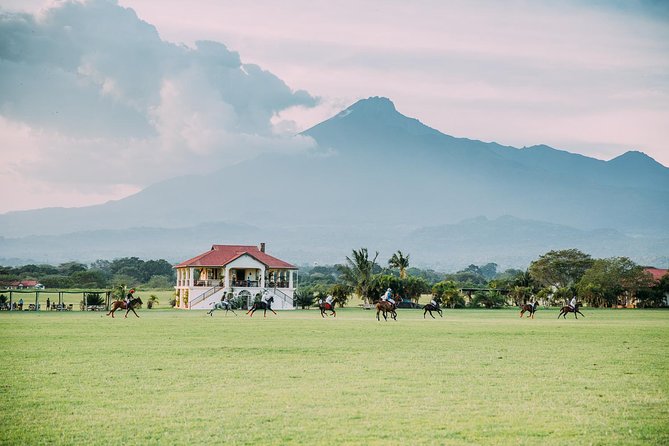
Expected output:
(567, 309)
(120, 304)
(222, 305)
(430, 308)
(531, 308)
(386, 307)
(324, 307)
(262, 306)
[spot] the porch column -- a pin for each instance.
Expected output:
(290, 279)
(226, 278)
(262, 277)
(191, 275)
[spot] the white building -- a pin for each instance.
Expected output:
(239, 272)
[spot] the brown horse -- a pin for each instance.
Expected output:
(120, 304)
(567, 309)
(324, 306)
(262, 306)
(531, 308)
(386, 307)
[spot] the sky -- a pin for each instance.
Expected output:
(102, 98)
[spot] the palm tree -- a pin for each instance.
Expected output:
(358, 271)
(399, 261)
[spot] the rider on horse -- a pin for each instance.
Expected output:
(572, 303)
(265, 298)
(328, 302)
(387, 297)
(129, 297)
(434, 303)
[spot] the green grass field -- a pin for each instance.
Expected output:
(473, 377)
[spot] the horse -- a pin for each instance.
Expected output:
(430, 308)
(262, 306)
(386, 307)
(567, 309)
(531, 308)
(222, 305)
(121, 304)
(324, 306)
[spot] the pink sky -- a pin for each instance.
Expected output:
(585, 77)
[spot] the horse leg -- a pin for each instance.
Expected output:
(133, 310)
(580, 313)
(440, 313)
(424, 313)
(272, 311)
(431, 314)
(521, 313)
(334, 313)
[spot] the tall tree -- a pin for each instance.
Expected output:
(560, 269)
(399, 261)
(448, 293)
(358, 271)
(612, 281)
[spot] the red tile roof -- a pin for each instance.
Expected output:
(221, 255)
(657, 273)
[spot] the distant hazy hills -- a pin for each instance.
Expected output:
(382, 180)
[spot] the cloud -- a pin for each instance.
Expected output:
(92, 97)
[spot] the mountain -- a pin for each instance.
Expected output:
(376, 176)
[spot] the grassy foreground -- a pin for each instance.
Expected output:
(473, 377)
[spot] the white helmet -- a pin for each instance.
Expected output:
(388, 289)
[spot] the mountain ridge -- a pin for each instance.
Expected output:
(385, 170)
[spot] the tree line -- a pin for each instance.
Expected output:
(101, 274)
(552, 279)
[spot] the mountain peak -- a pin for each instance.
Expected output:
(368, 118)
(376, 104)
(634, 158)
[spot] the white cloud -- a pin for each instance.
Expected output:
(94, 101)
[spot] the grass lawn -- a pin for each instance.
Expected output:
(473, 377)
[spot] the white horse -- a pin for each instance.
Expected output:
(223, 305)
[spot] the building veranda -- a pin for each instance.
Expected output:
(240, 272)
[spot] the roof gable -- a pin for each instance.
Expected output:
(221, 255)
(657, 273)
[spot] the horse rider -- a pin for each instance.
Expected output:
(265, 298)
(388, 296)
(434, 303)
(572, 304)
(129, 297)
(328, 302)
(225, 302)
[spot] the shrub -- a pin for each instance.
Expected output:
(153, 300)
(91, 299)
(488, 299)
(304, 297)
